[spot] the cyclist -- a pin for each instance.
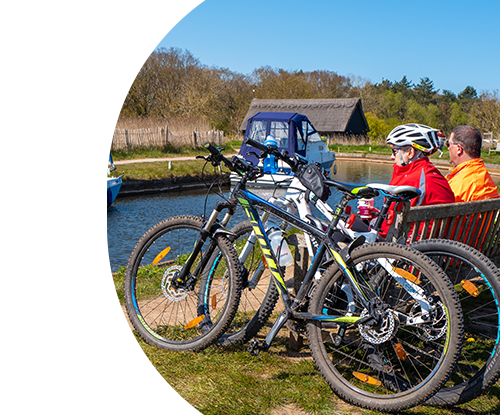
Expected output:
(411, 146)
(469, 180)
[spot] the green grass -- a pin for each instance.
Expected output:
(170, 151)
(159, 169)
(231, 381)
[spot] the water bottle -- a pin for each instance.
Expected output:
(270, 163)
(280, 247)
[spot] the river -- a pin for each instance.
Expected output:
(130, 217)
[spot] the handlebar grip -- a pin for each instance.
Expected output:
(212, 149)
(256, 144)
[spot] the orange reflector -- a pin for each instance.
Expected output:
(470, 288)
(367, 379)
(264, 261)
(347, 210)
(398, 348)
(214, 302)
(161, 255)
(406, 275)
(390, 217)
(194, 322)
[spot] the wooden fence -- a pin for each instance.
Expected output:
(162, 136)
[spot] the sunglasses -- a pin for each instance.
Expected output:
(448, 144)
(396, 149)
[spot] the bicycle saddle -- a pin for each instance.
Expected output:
(404, 192)
(363, 192)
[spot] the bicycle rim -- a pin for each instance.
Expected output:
(477, 283)
(184, 318)
(393, 365)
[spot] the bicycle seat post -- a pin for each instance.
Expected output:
(339, 209)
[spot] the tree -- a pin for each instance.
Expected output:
(485, 114)
(328, 84)
(424, 92)
(404, 86)
(469, 93)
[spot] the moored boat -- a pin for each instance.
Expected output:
(114, 183)
(293, 133)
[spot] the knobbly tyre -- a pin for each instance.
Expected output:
(355, 342)
(476, 280)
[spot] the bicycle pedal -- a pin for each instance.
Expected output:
(256, 345)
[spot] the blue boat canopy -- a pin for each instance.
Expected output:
(292, 131)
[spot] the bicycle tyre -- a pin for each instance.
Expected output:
(177, 319)
(410, 363)
(256, 303)
(481, 318)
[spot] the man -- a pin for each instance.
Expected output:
(469, 180)
(411, 146)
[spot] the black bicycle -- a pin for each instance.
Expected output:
(386, 352)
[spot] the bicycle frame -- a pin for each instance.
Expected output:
(250, 201)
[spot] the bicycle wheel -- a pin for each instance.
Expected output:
(189, 318)
(410, 353)
(477, 282)
(259, 294)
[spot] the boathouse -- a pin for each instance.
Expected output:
(341, 120)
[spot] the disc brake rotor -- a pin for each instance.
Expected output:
(436, 328)
(380, 334)
(166, 285)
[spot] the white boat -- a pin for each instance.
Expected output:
(294, 134)
(114, 183)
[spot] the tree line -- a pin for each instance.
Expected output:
(172, 83)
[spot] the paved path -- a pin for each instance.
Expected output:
(161, 159)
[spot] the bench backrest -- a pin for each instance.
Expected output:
(474, 223)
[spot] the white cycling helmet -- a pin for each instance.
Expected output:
(419, 136)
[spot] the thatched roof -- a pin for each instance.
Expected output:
(343, 115)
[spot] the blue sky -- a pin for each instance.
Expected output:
(454, 43)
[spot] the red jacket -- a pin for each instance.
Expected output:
(423, 175)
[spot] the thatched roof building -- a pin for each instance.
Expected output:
(333, 118)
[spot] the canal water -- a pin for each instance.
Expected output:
(130, 217)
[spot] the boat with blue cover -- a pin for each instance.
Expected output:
(293, 133)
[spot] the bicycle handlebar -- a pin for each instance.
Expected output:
(217, 156)
(293, 162)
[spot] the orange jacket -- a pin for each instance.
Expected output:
(471, 181)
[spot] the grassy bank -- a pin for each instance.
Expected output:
(170, 151)
(230, 381)
(159, 170)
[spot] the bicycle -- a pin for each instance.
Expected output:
(473, 275)
(182, 282)
(355, 343)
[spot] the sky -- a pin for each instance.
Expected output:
(454, 43)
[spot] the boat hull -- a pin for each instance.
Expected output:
(114, 185)
(282, 178)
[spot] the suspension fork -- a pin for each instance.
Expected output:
(207, 231)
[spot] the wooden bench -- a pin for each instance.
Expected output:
(494, 150)
(476, 224)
